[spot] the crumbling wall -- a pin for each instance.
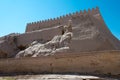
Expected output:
(42, 36)
(8, 46)
(61, 20)
(87, 62)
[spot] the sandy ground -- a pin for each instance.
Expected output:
(54, 77)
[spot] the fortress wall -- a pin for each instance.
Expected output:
(60, 20)
(41, 35)
(87, 62)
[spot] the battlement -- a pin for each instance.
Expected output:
(59, 20)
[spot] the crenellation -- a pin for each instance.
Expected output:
(84, 12)
(48, 20)
(73, 13)
(95, 11)
(80, 13)
(33, 22)
(70, 14)
(59, 20)
(37, 25)
(89, 11)
(40, 21)
(77, 13)
(28, 24)
(43, 21)
(51, 19)
(61, 17)
(66, 15)
(54, 19)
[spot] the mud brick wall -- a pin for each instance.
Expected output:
(107, 62)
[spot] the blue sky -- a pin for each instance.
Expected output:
(15, 14)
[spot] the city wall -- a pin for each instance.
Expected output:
(87, 62)
(60, 20)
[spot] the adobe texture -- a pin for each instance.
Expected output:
(90, 33)
(87, 63)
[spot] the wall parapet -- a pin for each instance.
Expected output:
(53, 21)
